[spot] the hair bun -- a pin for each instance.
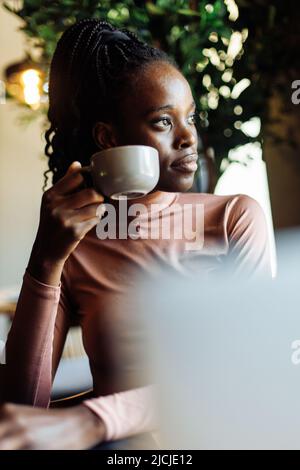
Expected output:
(114, 36)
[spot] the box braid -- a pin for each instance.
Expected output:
(92, 65)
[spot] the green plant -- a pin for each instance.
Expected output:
(216, 43)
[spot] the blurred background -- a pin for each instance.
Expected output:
(242, 60)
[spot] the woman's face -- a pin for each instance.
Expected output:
(159, 111)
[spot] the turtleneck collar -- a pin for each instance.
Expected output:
(163, 198)
(155, 197)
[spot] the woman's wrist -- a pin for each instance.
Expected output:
(45, 270)
(92, 425)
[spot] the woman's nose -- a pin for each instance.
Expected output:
(185, 137)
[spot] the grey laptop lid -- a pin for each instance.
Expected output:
(226, 356)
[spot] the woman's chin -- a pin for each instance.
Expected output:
(181, 182)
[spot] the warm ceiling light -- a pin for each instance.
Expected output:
(30, 80)
(24, 82)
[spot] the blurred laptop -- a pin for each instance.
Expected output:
(226, 356)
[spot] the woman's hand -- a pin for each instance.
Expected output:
(24, 427)
(67, 214)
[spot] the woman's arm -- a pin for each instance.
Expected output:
(35, 342)
(24, 427)
(127, 413)
(44, 314)
(100, 419)
(249, 250)
(67, 213)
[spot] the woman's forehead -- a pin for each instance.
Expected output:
(158, 85)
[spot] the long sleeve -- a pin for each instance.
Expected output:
(32, 359)
(249, 251)
(126, 413)
(35, 342)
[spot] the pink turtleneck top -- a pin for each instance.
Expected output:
(92, 293)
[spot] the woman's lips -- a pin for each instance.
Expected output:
(186, 164)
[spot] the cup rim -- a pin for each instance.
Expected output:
(122, 147)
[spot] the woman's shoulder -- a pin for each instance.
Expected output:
(231, 200)
(215, 200)
(231, 207)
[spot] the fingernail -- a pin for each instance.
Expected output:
(101, 209)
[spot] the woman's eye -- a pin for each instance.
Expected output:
(163, 122)
(192, 119)
(166, 122)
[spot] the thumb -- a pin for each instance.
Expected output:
(73, 167)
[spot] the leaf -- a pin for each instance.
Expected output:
(225, 32)
(154, 9)
(46, 32)
(139, 16)
(8, 8)
(33, 3)
(188, 12)
(219, 8)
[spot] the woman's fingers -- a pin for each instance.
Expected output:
(88, 212)
(82, 198)
(83, 227)
(67, 213)
(71, 180)
(14, 442)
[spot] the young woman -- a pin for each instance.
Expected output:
(106, 89)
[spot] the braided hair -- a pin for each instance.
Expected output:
(92, 64)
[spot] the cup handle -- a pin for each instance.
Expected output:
(87, 176)
(86, 172)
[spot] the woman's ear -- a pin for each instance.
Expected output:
(104, 135)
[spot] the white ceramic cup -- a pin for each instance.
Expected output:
(128, 171)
